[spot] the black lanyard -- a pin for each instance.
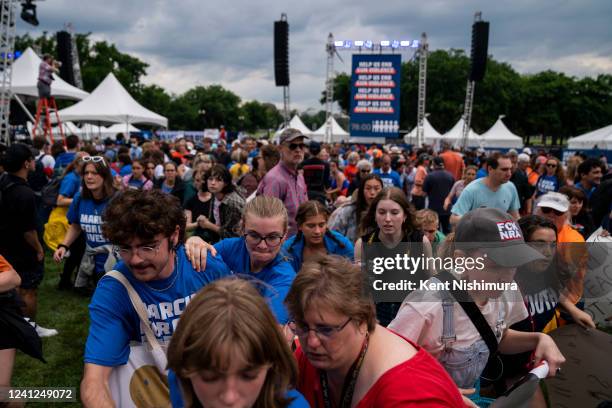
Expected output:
(349, 382)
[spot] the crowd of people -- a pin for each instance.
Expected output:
(257, 247)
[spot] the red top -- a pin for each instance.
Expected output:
(350, 171)
(420, 382)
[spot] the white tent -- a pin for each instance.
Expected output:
(25, 77)
(455, 136)
(337, 133)
(602, 138)
(430, 133)
(500, 137)
(295, 123)
(110, 102)
(120, 128)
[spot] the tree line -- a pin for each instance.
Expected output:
(548, 103)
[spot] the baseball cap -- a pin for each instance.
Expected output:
(527, 151)
(314, 147)
(438, 162)
(497, 234)
(290, 134)
(556, 201)
(396, 150)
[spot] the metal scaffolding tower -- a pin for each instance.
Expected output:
(423, 51)
(7, 49)
(330, 48)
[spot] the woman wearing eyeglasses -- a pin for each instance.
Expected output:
(552, 179)
(313, 237)
(85, 215)
(239, 358)
(344, 357)
(257, 254)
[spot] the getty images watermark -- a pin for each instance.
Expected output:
(579, 269)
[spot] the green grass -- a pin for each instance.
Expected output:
(66, 312)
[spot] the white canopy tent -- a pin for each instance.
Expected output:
(337, 133)
(431, 135)
(25, 77)
(295, 123)
(455, 136)
(602, 138)
(110, 102)
(500, 137)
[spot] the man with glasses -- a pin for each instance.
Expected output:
(147, 229)
(283, 181)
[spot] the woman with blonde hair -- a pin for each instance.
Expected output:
(237, 357)
(256, 253)
(344, 357)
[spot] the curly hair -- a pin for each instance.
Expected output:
(143, 215)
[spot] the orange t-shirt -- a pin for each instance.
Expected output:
(574, 253)
(4, 265)
(453, 162)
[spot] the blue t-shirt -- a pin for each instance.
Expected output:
(588, 193)
(295, 251)
(391, 179)
(114, 322)
(125, 170)
(278, 274)
(70, 185)
(64, 159)
(177, 399)
(88, 215)
(481, 173)
(546, 184)
(477, 195)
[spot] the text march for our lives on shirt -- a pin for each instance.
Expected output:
(114, 322)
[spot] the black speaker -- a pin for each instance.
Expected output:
(64, 55)
(480, 45)
(281, 53)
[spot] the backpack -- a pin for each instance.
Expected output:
(38, 179)
(5, 184)
(50, 192)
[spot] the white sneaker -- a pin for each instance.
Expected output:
(42, 331)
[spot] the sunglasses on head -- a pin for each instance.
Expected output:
(294, 146)
(94, 159)
(548, 210)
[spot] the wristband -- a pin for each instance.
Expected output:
(63, 246)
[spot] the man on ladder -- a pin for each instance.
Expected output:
(48, 66)
(46, 69)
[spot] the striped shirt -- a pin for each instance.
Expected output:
(288, 186)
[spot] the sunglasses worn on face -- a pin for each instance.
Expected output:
(294, 146)
(551, 165)
(93, 159)
(548, 210)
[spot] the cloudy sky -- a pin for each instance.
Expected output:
(202, 42)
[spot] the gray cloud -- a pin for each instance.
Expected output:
(196, 42)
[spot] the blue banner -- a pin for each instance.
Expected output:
(375, 95)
